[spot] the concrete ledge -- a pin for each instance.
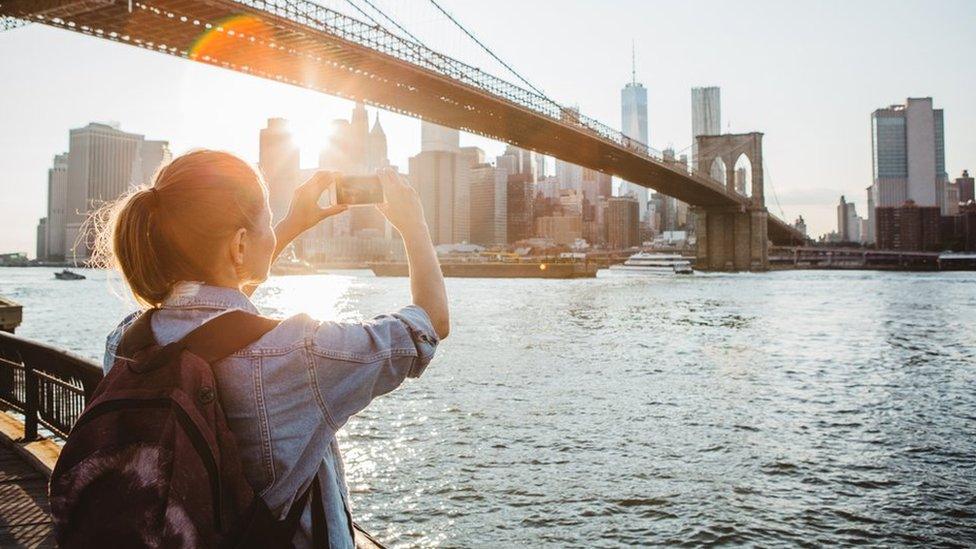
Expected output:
(41, 454)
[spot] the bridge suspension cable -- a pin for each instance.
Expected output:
(769, 180)
(488, 50)
(363, 13)
(388, 18)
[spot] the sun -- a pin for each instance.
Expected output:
(311, 135)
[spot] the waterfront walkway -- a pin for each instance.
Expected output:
(24, 519)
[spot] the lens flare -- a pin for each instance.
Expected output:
(228, 34)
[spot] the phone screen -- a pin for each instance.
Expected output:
(355, 190)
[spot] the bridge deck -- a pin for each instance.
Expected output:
(24, 519)
(303, 44)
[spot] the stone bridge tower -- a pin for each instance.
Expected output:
(733, 238)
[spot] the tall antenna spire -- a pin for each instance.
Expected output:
(633, 62)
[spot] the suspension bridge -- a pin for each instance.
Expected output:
(302, 43)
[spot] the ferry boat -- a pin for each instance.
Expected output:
(496, 269)
(957, 261)
(654, 263)
(68, 275)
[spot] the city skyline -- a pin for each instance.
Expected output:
(810, 161)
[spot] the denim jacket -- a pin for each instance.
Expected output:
(286, 395)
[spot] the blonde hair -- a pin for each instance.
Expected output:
(171, 230)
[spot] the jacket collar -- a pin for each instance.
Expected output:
(196, 295)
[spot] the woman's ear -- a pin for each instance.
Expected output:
(238, 246)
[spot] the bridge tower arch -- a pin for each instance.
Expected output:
(732, 238)
(729, 147)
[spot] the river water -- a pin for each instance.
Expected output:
(785, 408)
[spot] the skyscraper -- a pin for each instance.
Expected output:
(594, 185)
(800, 225)
(376, 150)
(633, 111)
(42, 239)
(622, 223)
(950, 198)
(152, 155)
(278, 159)
(520, 202)
(966, 190)
(436, 176)
(521, 168)
(489, 205)
(438, 138)
(848, 223)
(842, 219)
(103, 162)
(741, 177)
(633, 123)
(354, 149)
(908, 155)
(706, 116)
(569, 176)
(57, 204)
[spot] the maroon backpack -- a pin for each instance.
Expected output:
(151, 461)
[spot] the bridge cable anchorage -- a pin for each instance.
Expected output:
(491, 53)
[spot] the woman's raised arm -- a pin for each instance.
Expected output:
(403, 209)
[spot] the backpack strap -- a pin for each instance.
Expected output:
(223, 335)
(137, 336)
(212, 341)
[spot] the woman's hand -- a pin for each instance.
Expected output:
(304, 211)
(401, 204)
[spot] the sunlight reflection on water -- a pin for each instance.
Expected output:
(812, 407)
(324, 297)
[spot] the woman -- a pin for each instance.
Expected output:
(197, 242)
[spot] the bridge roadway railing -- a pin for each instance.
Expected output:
(379, 39)
(373, 36)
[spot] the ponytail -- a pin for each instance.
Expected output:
(170, 231)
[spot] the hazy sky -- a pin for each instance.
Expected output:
(807, 74)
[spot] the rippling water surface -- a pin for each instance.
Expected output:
(773, 409)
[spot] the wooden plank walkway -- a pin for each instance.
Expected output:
(24, 518)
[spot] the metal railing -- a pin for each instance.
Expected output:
(318, 17)
(50, 387)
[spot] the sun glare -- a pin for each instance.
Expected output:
(323, 297)
(312, 136)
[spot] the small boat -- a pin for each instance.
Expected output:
(68, 275)
(654, 263)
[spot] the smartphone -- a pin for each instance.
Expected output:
(357, 190)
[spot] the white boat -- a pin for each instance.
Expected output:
(654, 263)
